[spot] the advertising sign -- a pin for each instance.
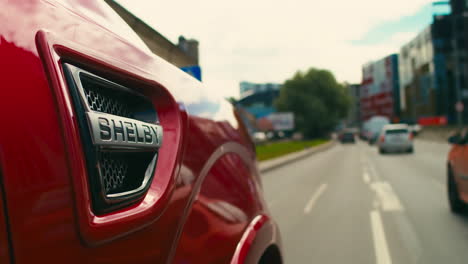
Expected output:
(432, 121)
(282, 121)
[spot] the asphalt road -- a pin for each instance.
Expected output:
(350, 204)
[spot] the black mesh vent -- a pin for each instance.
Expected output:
(113, 171)
(123, 171)
(103, 99)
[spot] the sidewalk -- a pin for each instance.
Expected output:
(271, 164)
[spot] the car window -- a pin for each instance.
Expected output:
(396, 131)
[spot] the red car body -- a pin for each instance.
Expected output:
(204, 203)
(457, 176)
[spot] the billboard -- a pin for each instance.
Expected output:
(379, 89)
(281, 121)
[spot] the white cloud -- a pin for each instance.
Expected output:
(268, 40)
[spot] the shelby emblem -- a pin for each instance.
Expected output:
(116, 131)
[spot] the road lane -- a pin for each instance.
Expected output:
(430, 233)
(310, 204)
(363, 207)
(336, 230)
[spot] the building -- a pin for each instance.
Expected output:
(418, 81)
(380, 89)
(261, 103)
(459, 19)
(354, 114)
(184, 54)
(433, 73)
(248, 88)
(258, 100)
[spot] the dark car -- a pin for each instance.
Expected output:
(347, 137)
(110, 154)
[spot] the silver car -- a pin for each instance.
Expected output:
(395, 137)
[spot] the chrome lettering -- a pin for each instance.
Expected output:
(155, 134)
(115, 131)
(130, 131)
(118, 130)
(147, 133)
(138, 133)
(104, 128)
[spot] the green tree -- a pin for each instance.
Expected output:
(317, 100)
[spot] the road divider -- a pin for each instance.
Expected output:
(310, 204)
(382, 253)
(388, 200)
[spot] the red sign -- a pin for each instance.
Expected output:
(433, 121)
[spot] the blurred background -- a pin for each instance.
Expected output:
(305, 75)
(403, 61)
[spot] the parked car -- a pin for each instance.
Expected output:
(395, 137)
(109, 154)
(457, 171)
(347, 137)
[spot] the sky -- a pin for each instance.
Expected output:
(269, 40)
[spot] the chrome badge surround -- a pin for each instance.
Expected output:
(116, 133)
(131, 133)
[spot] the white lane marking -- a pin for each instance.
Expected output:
(373, 171)
(382, 254)
(314, 198)
(388, 200)
(366, 177)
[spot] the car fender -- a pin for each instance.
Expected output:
(260, 234)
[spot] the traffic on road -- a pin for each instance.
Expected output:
(351, 204)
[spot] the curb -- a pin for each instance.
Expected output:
(275, 163)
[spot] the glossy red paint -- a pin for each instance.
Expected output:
(457, 160)
(4, 243)
(205, 193)
(247, 240)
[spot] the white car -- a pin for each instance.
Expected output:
(395, 137)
